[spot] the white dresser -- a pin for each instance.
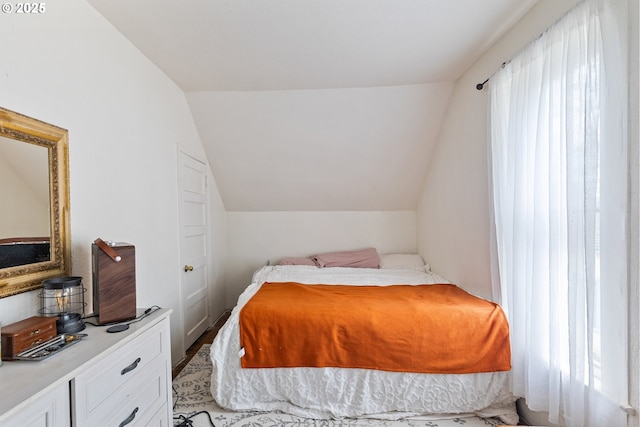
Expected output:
(119, 379)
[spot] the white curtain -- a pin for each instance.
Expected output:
(558, 160)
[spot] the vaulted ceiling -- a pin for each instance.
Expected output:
(315, 104)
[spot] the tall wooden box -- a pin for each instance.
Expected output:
(114, 284)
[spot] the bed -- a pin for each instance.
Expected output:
(324, 388)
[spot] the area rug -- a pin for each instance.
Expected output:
(192, 400)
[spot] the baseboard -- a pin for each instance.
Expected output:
(221, 318)
(529, 417)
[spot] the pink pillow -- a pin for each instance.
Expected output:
(297, 261)
(364, 258)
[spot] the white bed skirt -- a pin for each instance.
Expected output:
(323, 393)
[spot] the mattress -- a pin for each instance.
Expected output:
(323, 393)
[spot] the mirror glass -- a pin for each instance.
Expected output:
(34, 193)
(25, 229)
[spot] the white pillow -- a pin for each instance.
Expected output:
(413, 261)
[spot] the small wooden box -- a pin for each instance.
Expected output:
(21, 335)
(114, 284)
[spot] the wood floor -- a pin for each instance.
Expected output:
(206, 338)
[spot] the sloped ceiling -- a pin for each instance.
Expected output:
(315, 104)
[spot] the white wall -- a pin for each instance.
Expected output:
(453, 210)
(253, 238)
(218, 250)
(337, 149)
(274, 156)
(71, 68)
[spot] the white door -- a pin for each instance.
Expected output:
(194, 230)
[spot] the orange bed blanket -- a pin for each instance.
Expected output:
(400, 328)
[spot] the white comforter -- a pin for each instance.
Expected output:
(335, 392)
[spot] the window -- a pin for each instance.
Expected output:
(558, 159)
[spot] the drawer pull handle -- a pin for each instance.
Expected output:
(131, 367)
(129, 418)
(37, 331)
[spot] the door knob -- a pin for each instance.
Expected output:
(188, 268)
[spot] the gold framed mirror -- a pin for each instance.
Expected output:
(35, 233)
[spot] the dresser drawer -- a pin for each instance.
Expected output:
(134, 404)
(160, 418)
(106, 391)
(49, 410)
